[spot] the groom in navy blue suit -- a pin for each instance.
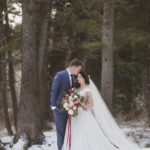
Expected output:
(63, 81)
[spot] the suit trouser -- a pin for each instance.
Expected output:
(61, 121)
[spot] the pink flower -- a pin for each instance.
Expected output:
(69, 106)
(74, 103)
(72, 94)
(72, 89)
(79, 101)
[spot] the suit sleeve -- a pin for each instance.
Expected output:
(55, 89)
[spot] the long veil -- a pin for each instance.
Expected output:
(108, 124)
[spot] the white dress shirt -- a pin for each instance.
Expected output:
(69, 76)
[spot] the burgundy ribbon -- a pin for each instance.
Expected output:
(69, 133)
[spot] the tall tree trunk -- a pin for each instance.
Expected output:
(11, 69)
(44, 85)
(3, 84)
(35, 25)
(107, 53)
(145, 65)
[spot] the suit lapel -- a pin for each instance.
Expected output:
(67, 78)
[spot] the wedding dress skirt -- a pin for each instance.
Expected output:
(96, 129)
(86, 134)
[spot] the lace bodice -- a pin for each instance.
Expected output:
(84, 91)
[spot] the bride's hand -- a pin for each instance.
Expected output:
(85, 108)
(86, 101)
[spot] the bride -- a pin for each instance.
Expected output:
(95, 127)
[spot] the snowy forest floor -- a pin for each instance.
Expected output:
(136, 131)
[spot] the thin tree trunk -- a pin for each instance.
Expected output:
(12, 87)
(4, 93)
(11, 69)
(107, 53)
(146, 89)
(3, 84)
(30, 113)
(145, 68)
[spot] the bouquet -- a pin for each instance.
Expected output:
(73, 102)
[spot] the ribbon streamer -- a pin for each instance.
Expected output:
(69, 133)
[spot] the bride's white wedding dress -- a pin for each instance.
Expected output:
(96, 129)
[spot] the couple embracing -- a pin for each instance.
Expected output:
(94, 128)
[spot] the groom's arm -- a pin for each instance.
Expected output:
(55, 89)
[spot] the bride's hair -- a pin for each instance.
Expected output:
(85, 76)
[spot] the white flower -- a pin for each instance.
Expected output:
(80, 108)
(75, 96)
(67, 108)
(71, 103)
(65, 105)
(70, 112)
(70, 97)
(75, 108)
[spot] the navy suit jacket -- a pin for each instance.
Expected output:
(61, 83)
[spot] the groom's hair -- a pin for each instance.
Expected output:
(76, 62)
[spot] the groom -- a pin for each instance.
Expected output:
(63, 81)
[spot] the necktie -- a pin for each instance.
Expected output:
(72, 80)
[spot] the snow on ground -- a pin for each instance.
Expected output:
(136, 132)
(49, 144)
